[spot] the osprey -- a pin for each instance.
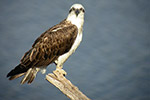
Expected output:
(53, 46)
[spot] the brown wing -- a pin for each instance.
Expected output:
(50, 45)
(45, 50)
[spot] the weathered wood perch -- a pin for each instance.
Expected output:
(58, 80)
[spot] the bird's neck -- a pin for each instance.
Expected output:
(76, 21)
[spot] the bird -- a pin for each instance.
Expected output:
(55, 45)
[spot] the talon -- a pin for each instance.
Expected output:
(65, 74)
(60, 70)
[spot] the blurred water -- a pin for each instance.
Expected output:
(112, 62)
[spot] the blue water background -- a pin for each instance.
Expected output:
(112, 62)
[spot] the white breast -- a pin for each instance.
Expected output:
(65, 56)
(76, 43)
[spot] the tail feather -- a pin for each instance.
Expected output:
(16, 76)
(20, 70)
(29, 76)
(34, 72)
(17, 70)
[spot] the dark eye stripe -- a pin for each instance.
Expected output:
(71, 9)
(82, 9)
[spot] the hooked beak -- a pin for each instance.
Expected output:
(77, 11)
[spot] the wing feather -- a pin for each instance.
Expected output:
(50, 45)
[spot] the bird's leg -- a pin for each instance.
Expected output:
(59, 66)
(60, 70)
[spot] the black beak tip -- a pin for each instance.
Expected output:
(77, 12)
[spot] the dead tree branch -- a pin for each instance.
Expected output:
(65, 86)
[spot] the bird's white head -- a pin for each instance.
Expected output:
(76, 15)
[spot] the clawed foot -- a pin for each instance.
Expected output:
(60, 70)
